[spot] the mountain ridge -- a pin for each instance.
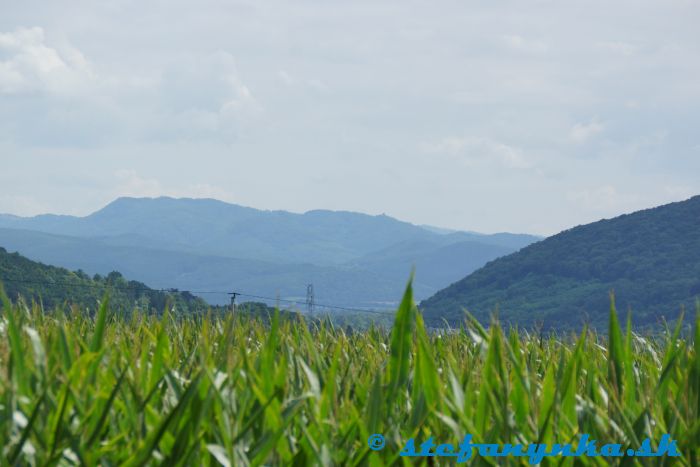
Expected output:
(205, 242)
(650, 258)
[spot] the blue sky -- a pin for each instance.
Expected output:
(528, 116)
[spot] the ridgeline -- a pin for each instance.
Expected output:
(650, 259)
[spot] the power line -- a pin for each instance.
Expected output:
(196, 292)
(321, 305)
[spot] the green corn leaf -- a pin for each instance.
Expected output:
(616, 353)
(401, 343)
(100, 323)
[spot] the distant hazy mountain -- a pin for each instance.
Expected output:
(436, 263)
(351, 258)
(650, 258)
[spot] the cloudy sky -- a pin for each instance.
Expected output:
(528, 116)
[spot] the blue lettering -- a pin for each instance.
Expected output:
(667, 446)
(537, 452)
(426, 447)
(465, 449)
(445, 450)
(611, 450)
(409, 450)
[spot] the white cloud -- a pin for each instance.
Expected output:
(130, 183)
(286, 78)
(582, 132)
(201, 97)
(603, 199)
(23, 205)
(242, 105)
(477, 150)
(451, 145)
(33, 66)
(678, 192)
(608, 200)
(511, 157)
(295, 105)
(619, 47)
(517, 42)
(289, 80)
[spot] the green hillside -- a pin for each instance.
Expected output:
(650, 259)
(53, 286)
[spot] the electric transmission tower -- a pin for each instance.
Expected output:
(233, 301)
(310, 298)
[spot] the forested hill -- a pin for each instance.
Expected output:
(650, 259)
(54, 286)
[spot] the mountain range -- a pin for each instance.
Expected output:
(650, 259)
(352, 259)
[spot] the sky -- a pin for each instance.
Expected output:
(521, 116)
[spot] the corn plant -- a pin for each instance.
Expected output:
(78, 389)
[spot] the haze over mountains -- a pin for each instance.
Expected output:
(650, 258)
(202, 244)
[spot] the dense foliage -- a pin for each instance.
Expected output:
(52, 287)
(651, 259)
(233, 391)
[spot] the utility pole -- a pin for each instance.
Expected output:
(310, 299)
(233, 301)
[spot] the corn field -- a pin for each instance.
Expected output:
(227, 390)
